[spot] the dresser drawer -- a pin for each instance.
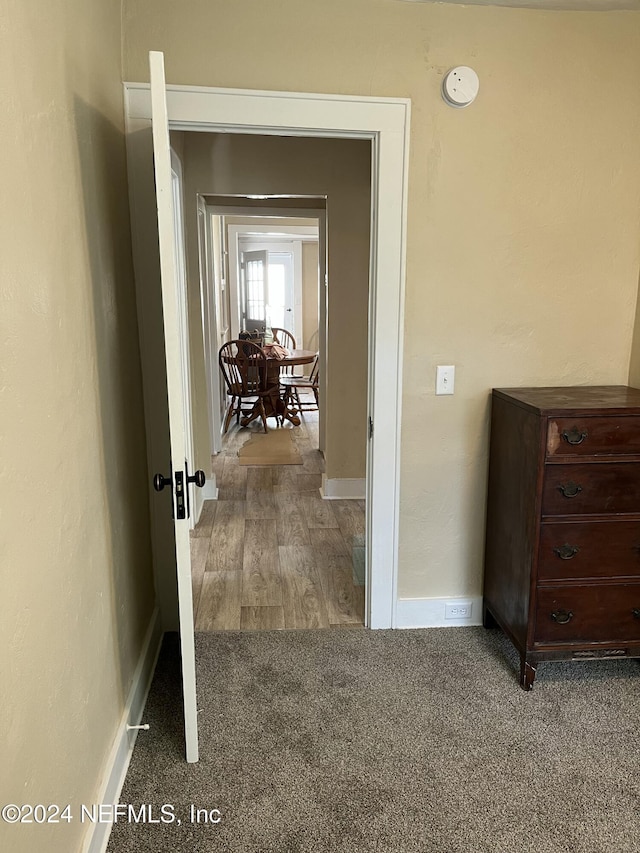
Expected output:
(591, 488)
(586, 436)
(594, 549)
(588, 614)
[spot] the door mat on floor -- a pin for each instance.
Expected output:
(275, 447)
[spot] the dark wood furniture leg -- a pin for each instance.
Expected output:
(270, 407)
(527, 673)
(258, 411)
(286, 412)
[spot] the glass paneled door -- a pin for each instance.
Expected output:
(280, 298)
(255, 289)
(267, 290)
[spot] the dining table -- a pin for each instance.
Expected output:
(275, 406)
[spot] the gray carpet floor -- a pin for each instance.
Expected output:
(389, 741)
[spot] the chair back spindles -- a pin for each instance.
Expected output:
(284, 338)
(244, 370)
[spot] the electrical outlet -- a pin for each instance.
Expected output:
(458, 610)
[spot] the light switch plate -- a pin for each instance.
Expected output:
(445, 377)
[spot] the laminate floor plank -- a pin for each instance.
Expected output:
(301, 431)
(228, 510)
(302, 596)
(312, 461)
(291, 521)
(236, 437)
(219, 605)
(227, 538)
(350, 517)
(262, 618)
(259, 479)
(205, 523)
(329, 540)
(261, 580)
(318, 512)
(285, 478)
(344, 601)
(260, 505)
(311, 421)
(308, 482)
(233, 483)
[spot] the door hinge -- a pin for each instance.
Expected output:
(370, 427)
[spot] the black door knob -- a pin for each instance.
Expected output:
(159, 482)
(198, 478)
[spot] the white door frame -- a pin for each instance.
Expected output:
(210, 310)
(320, 228)
(386, 122)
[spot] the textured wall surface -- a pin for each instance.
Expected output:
(524, 214)
(310, 283)
(77, 592)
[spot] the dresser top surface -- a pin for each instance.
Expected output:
(583, 398)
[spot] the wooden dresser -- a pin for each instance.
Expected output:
(562, 556)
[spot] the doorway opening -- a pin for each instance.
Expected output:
(270, 552)
(151, 111)
(385, 123)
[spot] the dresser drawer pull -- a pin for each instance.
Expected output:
(574, 436)
(636, 613)
(562, 616)
(566, 552)
(570, 490)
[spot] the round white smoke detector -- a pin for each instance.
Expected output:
(460, 86)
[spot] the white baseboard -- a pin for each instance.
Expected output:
(209, 492)
(344, 489)
(430, 612)
(210, 489)
(117, 764)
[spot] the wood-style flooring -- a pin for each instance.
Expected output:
(270, 553)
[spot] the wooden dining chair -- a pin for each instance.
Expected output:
(285, 339)
(292, 385)
(244, 369)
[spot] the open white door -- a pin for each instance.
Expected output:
(178, 478)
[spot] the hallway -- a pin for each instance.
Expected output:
(270, 553)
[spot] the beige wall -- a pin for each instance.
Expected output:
(77, 592)
(523, 221)
(339, 169)
(310, 284)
